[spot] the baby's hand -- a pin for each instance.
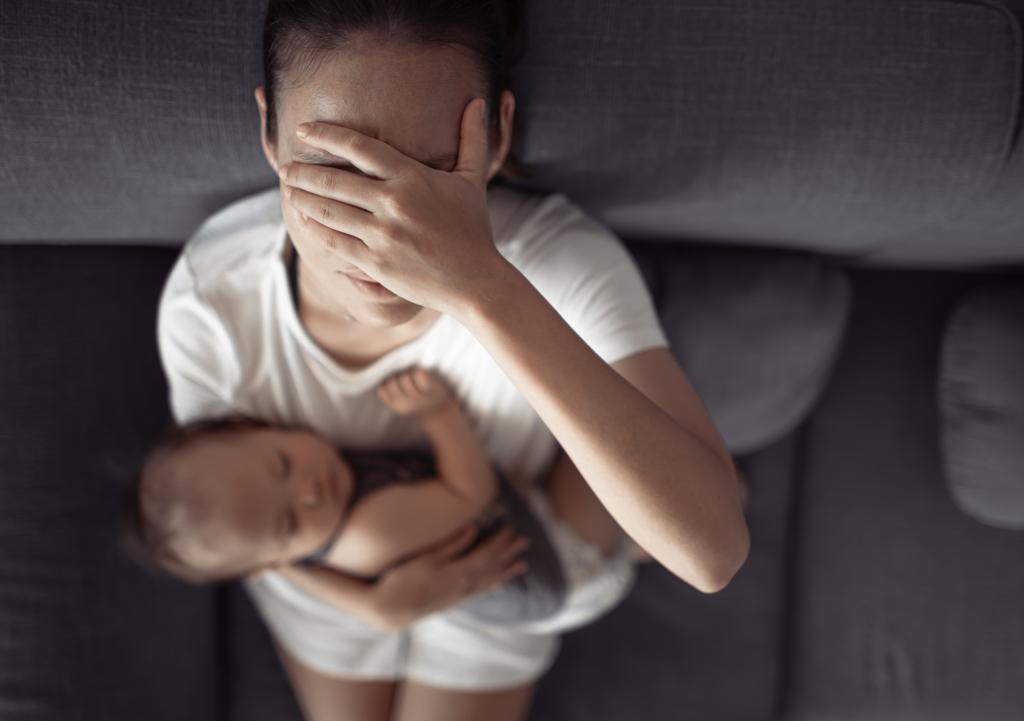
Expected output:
(415, 392)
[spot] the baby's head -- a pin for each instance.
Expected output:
(219, 499)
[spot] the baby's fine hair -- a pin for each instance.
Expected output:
(148, 532)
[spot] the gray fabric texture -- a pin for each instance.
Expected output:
(757, 334)
(981, 400)
(831, 125)
(827, 124)
(126, 121)
(670, 652)
(904, 607)
(84, 632)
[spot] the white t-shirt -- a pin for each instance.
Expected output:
(231, 341)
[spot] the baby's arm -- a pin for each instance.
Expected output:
(460, 458)
(399, 520)
(433, 580)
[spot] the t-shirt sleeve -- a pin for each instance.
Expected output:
(195, 350)
(590, 278)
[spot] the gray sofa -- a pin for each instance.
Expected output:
(813, 187)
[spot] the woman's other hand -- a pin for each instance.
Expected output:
(424, 234)
(440, 577)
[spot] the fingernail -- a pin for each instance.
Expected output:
(483, 110)
(302, 131)
(288, 192)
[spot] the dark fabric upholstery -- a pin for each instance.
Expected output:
(84, 633)
(828, 124)
(670, 652)
(842, 126)
(756, 333)
(905, 608)
(126, 121)
(981, 399)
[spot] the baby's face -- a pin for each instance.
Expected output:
(265, 496)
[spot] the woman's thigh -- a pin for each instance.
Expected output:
(419, 702)
(329, 698)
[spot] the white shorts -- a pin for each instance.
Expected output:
(450, 649)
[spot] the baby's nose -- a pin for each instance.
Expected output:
(310, 493)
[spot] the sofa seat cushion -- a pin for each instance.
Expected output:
(84, 632)
(903, 607)
(981, 398)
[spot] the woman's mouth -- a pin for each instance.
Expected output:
(370, 288)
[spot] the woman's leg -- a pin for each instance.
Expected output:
(419, 702)
(328, 698)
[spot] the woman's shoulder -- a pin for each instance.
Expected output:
(550, 238)
(519, 215)
(240, 239)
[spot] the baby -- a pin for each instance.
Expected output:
(225, 498)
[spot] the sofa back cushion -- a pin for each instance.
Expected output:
(824, 124)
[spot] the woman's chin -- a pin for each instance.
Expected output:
(384, 314)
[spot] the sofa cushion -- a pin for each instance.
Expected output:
(822, 124)
(670, 652)
(756, 333)
(981, 397)
(903, 607)
(84, 633)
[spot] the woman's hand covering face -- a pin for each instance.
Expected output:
(423, 234)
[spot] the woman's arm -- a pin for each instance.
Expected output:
(660, 469)
(434, 580)
(425, 235)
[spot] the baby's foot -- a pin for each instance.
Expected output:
(415, 392)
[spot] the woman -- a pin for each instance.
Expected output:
(385, 246)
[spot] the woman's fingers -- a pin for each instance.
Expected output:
(473, 157)
(489, 557)
(407, 385)
(334, 183)
(515, 550)
(454, 545)
(347, 246)
(373, 157)
(338, 216)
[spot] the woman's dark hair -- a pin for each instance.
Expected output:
(297, 32)
(142, 536)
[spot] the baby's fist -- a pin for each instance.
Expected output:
(415, 392)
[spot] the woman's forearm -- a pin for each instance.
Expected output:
(668, 489)
(350, 594)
